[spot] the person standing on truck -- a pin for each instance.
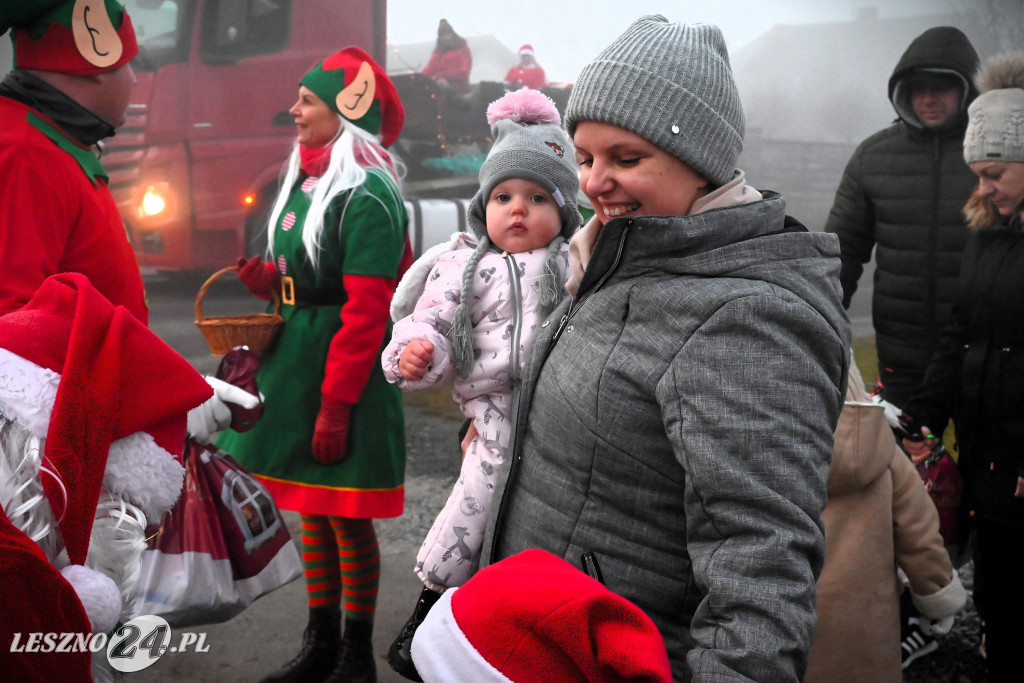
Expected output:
(331, 442)
(69, 89)
(451, 59)
(527, 73)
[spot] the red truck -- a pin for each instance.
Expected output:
(208, 129)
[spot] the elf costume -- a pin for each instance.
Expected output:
(331, 442)
(56, 211)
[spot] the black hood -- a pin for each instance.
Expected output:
(942, 49)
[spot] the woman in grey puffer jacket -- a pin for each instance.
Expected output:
(675, 419)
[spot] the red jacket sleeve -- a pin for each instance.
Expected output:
(355, 349)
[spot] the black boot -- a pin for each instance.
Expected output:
(321, 644)
(400, 654)
(355, 665)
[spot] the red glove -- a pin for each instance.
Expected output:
(259, 277)
(330, 436)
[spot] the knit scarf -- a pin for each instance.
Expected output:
(314, 160)
(77, 122)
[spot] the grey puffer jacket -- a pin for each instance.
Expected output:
(679, 427)
(902, 191)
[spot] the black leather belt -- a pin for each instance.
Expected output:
(310, 296)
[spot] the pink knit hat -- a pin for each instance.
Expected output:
(535, 617)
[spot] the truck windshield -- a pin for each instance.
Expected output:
(162, 28)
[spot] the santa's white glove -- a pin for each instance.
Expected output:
(208, 420)
(936, 627)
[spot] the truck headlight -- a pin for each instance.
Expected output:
(154, 200)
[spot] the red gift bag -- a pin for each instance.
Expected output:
(224, 543)
(222, 546)
(942, 480)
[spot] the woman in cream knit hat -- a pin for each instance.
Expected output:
(976, 378)
(676, 416)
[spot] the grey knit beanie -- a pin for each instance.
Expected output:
(995, 127)
(672, 85)
(529, 143)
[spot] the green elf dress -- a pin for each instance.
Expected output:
(336, 325)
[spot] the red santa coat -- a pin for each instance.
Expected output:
(452, 66)
(57, 215)
(38, 599)
(533, 78)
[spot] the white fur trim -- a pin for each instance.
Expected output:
(140, 471)
(27, 392)
(410, 288)
(944, 602)
(98, 594)
(441, 651)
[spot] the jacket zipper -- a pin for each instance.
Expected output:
(514, 439)
(575, 305)
(517, 316)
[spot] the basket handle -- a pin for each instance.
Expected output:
(220, 273)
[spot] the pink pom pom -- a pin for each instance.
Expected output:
(524, 106)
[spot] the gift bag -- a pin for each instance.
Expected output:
(942, 480)
(222, 546)
(224, 543)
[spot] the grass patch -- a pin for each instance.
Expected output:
(866, 357)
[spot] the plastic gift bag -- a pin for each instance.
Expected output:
(222, 546)
(224, 543)
(942, 480)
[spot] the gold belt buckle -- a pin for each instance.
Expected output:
(288, 290)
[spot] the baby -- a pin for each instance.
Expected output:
(478, 300)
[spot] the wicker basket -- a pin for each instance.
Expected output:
(255, 330)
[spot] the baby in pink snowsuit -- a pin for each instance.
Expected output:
(478, 300)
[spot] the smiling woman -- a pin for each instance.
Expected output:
(675, 423)
(331, 443)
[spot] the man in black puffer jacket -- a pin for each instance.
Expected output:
(903, 190)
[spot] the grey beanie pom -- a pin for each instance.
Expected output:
(995, 128)
(672, 85)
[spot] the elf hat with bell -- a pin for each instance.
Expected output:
(357, 88)
(109, 397)
(81, 37)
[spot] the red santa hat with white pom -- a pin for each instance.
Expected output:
(535, 617)
(110, 399)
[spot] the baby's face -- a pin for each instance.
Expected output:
(521, 216)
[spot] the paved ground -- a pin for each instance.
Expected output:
(269, 633)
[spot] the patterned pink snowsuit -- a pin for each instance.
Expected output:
(505, 312)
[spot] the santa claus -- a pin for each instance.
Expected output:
(92, 424)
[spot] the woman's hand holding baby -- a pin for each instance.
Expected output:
(415, 359)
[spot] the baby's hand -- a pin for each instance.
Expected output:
(415, 359)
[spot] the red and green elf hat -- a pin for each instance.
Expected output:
(356, 87)
(82, 37)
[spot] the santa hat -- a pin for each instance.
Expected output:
(526, 49)
(82, 37)
(109, 397)
(357, 88)
(535, 617)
